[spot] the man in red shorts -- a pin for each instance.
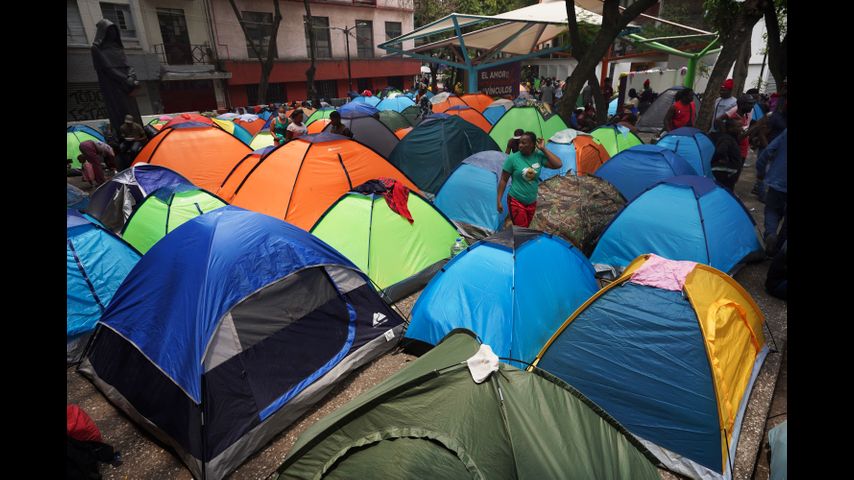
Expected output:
(524, 167)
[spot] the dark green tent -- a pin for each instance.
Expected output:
(393, 120)
(431, 420)
(412, 114)
(432, 150)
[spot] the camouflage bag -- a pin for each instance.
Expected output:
(577, 209)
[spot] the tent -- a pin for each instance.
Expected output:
(513, 289)
(496, 110)
(318, 125)
(412, 114)
(389, 92)
(682, 218)
(578, 209)
(86, 129)
(399, 257)
(372, 101)
(262, 139)
(96, 263)
(692, 145)
(432, 420)
(470, 115)
(444, 101)
(319, 115)
(394, 121)
(114, 201)
(164, 210)
(364, 122)
(188, 118)
(579, 152)
(612, 107)
(73, 139)
(634, 170)
(75, 198)
(252, 126)
(652, 120)
(432, 150)
(468, 196)
(477, 101)
(615, 138)
(528, 119)
(300, 180)
(239, 132)
(671, 351)
(201, 153)
(229, 329)
(397, 104)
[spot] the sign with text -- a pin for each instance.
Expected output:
(500, 81)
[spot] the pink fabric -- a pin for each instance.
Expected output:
(662, 273)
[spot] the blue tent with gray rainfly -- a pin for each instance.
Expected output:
(693, 146)
(637, 168)
(229, 329)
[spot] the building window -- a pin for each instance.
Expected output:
(327, 89)
(73, 24)
(120, 15)
(259, 29)
(396, 82)
(365, 38)
(276, 93)
(392, 30)
(322, 43)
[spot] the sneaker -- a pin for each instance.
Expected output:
(771, 245)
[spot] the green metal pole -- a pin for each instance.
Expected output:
(692, 70)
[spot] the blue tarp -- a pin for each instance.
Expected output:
(693, 146)
(638, 353)
(371, 101)
(357, 110)
(670, 220)
(202, 269)
(637, 168)
(397, 103)
(468, 196)
(513, 299)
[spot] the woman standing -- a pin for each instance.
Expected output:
(524, 167)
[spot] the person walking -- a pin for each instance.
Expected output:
(773, 165)
(524, 167)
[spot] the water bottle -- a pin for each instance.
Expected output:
(457, 247)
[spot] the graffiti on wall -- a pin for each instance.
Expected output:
(84, 102)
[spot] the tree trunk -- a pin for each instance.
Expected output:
(739, 73)
(266, 62)
(750, 13)
(612, 23)
(312, 42)
(777, 54)
(434, 81)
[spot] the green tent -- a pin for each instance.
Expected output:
(319, 114)
(431, 420)
(412, 114)
(72, 145)
(262, 139)
(393, 120)
(527, 118)
(615, 138)
(398, 257)
(164, 210)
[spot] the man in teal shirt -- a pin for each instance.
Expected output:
(524, 166)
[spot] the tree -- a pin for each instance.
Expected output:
(312, 41)
(265, 60)
(613, 22)
(579, 47)
(775, 14)
(734, 21)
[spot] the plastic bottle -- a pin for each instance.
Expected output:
(457, 247)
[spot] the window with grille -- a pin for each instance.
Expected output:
(365, 38)
(73, 24)
(392, 30)
(326, 88)
(276, 93)
(259, 29)
(120, 15)
(322, 43)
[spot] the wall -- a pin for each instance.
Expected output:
(194, 15)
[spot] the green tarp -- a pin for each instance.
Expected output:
(431, 420)
(398, 257)
(528, 119)
(165, 210)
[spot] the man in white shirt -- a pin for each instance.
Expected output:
(723, 104)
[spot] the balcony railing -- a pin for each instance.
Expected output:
(184, 54)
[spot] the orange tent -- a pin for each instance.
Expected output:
(300, 180)
(401, 132)
(470, 115)
(188, 117)
(317, 126)
(452, 101)
(252, 127)
(589, 154)
(477, 101)
(201, 153)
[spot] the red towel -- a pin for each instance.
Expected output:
(397, 197)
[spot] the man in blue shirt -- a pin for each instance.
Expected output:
(772, 168)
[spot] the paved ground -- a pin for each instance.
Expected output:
(144, 458)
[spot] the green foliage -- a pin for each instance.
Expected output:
(720, 14)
